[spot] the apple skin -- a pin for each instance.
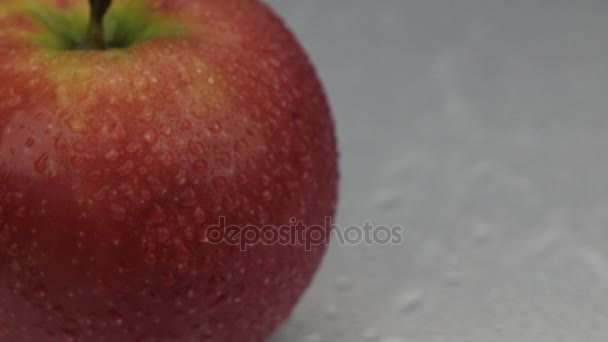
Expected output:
(115, 163)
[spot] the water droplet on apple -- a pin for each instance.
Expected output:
(126, 168)
(199, 215)
(184, 125)
(221, 299)
(79, 146)
(112, 155)
(69, 335)
(240, 146)
(116, 318)
(118, 212)
(219, 184)
(75, 124)
(216, 281)
(189, 233)
(77, 161)
(150, 136)
(180, 177)
(21, 212)
(196, 148)
(215, 127)
(163, 234)
(182, 253)
(166, 130)
(40, 291)
(168, 279)
(200, 166)
(150, 258)
(133, 147)
(42, 163)
(148, 117)
(206, 264)
(157, 215)
(188, 198)
(143, 338)
(166, 159)
(60, 143)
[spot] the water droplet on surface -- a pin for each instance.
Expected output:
(182, 252)
(200, 166)
(77, 162)
(219, 301)
(166, 159)
(126, 168)
(370, 334)
(188, 198)
(206, 264)
(189, 233)
(453, 278)
(148, 117)
(40, 291)
(391, 339)
(150, 258)
(75, 124)
(157, 215)
(112, 155)
(69, 335)
(150, 136)
(343, 283)
(240, 146)
(118, 213)
(410, 302)
(143, 338)
(133, 147)
(196, 148)
(332, 311)
(163, 234)
(199, 215)
(314, 337)
(116, 317)
(42, 163)
(215, 127)
(60, 143)
(180, 177)
(168, 279)
(166, 130)
(15, 266)
(219, 184)
(184, 125)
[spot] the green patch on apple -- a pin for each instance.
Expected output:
(126, 24)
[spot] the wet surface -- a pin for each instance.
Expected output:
(479, 126)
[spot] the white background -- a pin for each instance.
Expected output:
(481, 127)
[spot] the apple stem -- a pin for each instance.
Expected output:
(96, 34)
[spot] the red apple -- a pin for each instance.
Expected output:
(123, 142)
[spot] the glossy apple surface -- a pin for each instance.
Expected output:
(114, 164)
